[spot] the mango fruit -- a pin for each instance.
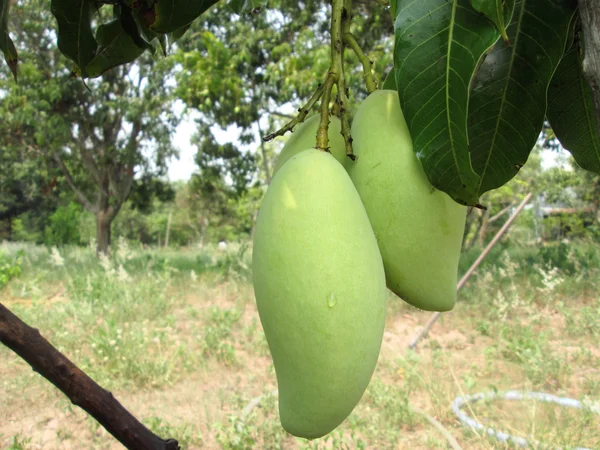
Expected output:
(320, 290)
(419, 228)
(305, 137)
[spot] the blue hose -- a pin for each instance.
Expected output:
(515, 395)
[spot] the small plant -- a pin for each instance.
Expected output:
(10, 267)
(218, 340)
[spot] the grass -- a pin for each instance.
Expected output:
(175, 335)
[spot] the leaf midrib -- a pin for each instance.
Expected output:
(504, 91)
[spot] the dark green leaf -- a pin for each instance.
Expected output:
(498, 11)
(6, 44)
(75, 36)
(132, 28)
(115, 48)
(171, 15)
(438, 46)
(508, 101)
(245, 6)
(571, 111)
(177, 34)
(390, 81)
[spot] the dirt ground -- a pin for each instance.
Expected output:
(454, 359)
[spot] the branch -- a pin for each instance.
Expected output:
(300, 118)
(501, 213)
(81, 389)
(590, 23)
(121, 185)
(278, 114)
(80, 195)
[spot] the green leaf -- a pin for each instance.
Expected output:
(438, 46)
(116, 47)
(571, 111)
(133, 29)
(6, 44)
(508, 101)
(498, 11)
(75, 36)
(177, 34)
(390, 81)
(171, 15)
(245, 6)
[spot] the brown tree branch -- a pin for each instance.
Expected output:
(590, 23)
(75, 384)
(80, 195)
(501, 213)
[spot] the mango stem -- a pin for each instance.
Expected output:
(303, 112)
(367, 64)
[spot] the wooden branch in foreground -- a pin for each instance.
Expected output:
(28, 343)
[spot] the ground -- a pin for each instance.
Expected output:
(176, 337)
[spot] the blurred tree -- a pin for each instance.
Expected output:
(99, 136)
(237, 71)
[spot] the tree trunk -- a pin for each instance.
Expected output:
(168, 229)
(590, 23)
(103, 223)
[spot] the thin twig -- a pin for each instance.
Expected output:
(303, 112)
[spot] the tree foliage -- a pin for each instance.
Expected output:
(99, 136)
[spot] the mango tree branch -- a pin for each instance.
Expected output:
(81, 389)
(80, 195)
(367, 64)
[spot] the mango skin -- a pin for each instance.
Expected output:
(320, 290)
(419, 228)
(305, 137)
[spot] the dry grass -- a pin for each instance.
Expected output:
(185, 353)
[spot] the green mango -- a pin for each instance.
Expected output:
(320, 290)
(305, 136)
(418, 227)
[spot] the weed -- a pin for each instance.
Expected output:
(218, 334)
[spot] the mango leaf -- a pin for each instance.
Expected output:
(177, 34)
(75, 36)
(116, 47)
(437, 49)
(498, 11)
(6, 44)
(571, 111)
(133, 28)
(245, 6)
(508, 100)
(171, 15)
(390, 82)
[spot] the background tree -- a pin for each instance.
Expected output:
(238, 71)
(99, 136)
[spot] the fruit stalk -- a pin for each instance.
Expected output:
(367, 64)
